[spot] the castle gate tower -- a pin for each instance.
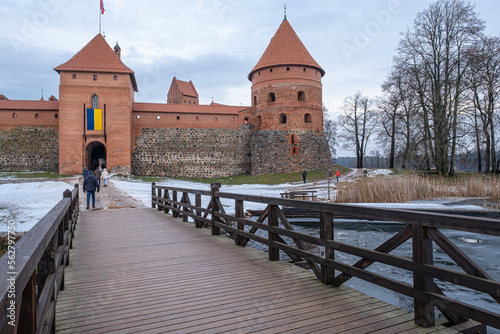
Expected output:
(287, 99)
(96, 95)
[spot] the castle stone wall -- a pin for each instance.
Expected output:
(192, 153)
(276, 151)
(29, 148)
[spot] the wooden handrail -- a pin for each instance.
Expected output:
(423, 228)
(34, 269)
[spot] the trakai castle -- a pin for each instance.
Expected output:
(97, 121)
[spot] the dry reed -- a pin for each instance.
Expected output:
(412, 187)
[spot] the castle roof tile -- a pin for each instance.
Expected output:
(186, 88)
(285, 48)
(187, 108)
(97, 56)
(29, 105)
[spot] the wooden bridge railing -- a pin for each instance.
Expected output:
(422, 228)
(33, 270)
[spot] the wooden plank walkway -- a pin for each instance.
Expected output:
(137, 270)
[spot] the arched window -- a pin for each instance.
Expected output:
(95, 102)
(282, 118)
(307, 118)
(36, 115)
(14, 115)
(215, 119)
(302, 96)
(272, 97)
(197, 118)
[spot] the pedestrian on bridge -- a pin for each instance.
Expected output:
(90, 185)
(105, 176)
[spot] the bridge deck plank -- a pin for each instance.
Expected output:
(137, 270)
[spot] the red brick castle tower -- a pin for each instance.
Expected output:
(96, 94)
(287, 99)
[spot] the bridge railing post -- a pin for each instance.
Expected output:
(215, 187)
(238, 212)
(422, 254)
(272, 221)
(153, 195)
(326, 233)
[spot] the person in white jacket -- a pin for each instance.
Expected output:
(105, 176)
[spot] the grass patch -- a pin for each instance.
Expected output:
(31, 175)
(410, 186)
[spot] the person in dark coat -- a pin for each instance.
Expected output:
(90, 185)
(304, 175)
(85, 172)
(97, 175)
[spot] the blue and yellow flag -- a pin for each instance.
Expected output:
(94, 121)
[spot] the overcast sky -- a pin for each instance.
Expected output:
(215, 43)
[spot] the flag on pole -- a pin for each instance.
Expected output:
(94, 119)
(102, 7)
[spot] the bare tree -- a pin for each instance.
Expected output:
(434, 53)
(483, 81)
(330, 131)
(356, 121)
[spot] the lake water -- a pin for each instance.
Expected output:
(482, 249)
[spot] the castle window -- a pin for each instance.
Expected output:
(259, 72)
(95, 101)
(288, 68)
(194, 102)
(55, 115)
(158, 117)
(14, 115)
(95, 77)
(115, 77)
(271, 97)
(307, 118)
(36, 115)
(74, 76)
(270, 70)
(302, 96)
(295, 150)
(232, 119)
(189, 102)
(304, 69)
(246, 119)
(293, 139)
(259, 120)
(215, 119)
(254, 101)
(197, 118)
(178, 117)
(282, 118)
(138, 116)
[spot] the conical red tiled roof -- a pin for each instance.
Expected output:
(285, 48)
(97, 56)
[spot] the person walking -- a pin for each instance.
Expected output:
(337, 175)
(85, 172)
(105, 176)
(97, 175)
(304, 175)
(90, 185)
(330, 174)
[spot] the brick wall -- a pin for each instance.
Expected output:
(276, 151)
(192, 153)
(29, 148)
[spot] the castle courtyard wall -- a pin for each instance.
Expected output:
(29, 148)
(192, 153)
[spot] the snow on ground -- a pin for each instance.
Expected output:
(27, 203)
(379, 172)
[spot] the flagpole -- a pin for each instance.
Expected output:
(100, 18)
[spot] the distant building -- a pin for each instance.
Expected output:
(97, 121)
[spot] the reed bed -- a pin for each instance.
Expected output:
(412, 187)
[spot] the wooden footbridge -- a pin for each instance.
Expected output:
(132, 269)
